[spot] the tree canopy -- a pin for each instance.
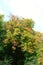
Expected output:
(20, 44)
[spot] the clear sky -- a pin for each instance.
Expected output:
(25, 8)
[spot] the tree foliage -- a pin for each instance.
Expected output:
(19, 43)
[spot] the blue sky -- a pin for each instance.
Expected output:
(25, 8)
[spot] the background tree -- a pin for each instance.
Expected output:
(20, 44)
(2, 36)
